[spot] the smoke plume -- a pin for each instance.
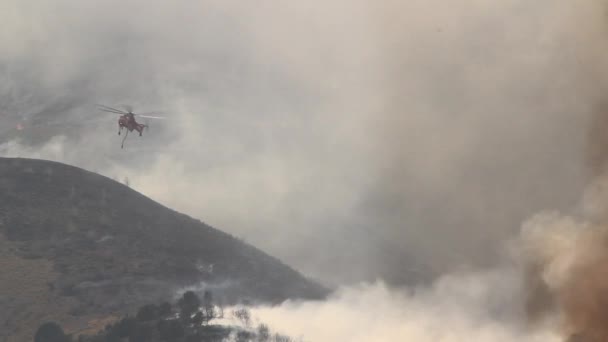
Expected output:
(469, 306)
(355, 140)
(566, 258)
(405, 137)
(550, 286)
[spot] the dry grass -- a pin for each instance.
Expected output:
(25, 294)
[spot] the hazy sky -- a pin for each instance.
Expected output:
(352, 139)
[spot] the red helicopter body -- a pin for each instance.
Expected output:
(127, 120)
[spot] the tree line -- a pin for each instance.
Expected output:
(187, 320)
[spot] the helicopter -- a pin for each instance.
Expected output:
(127, 120)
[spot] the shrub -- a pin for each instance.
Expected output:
(50, 332)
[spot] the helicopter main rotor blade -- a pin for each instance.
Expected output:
(150, 113)
(108, 107)
(118, 111)
(110, 111)
(150, 117)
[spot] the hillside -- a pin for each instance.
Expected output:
(82, 249)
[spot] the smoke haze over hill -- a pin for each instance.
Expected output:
(418, 130)
(355, 140)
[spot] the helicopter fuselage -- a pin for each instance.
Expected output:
(128, 121)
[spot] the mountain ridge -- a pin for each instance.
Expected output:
(100, 249)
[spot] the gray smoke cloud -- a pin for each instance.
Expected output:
(353, 139)
(376, 313)
(548, 287)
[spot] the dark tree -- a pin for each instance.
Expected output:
(150, 326)
(244, 336)
(208, 308)
(123, 328)
(142, 333)
(198, 319)
(170, 330)
(243, 315)
(263, 333)
(50, 332)
(220, 309)
(188, 304)
(148, 312)
(164, 309)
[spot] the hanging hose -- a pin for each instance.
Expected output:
(123, 139)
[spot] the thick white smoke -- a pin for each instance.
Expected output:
(483, 307)
(551, 286)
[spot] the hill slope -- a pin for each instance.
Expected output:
(80, 248)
